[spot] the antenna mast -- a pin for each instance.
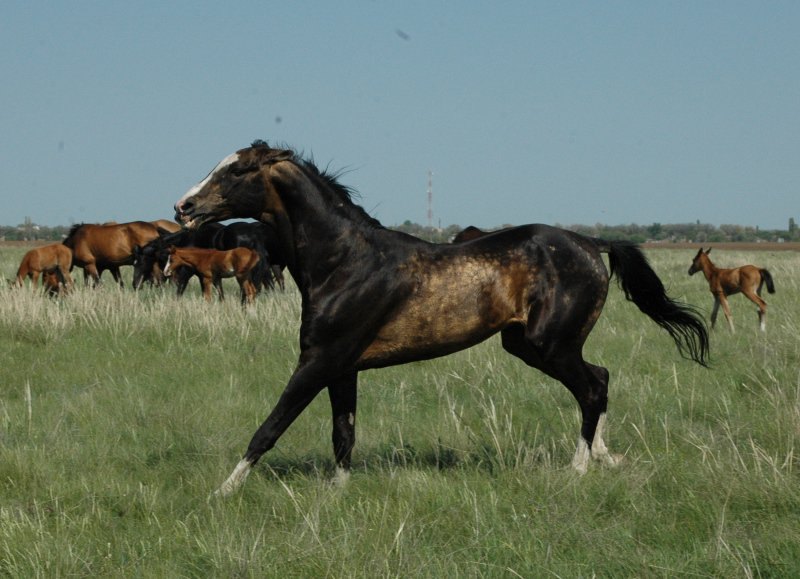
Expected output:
(430, 199)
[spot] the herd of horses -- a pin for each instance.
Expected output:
(373, 297)
(245, 250)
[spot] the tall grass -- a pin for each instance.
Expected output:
(120, 412)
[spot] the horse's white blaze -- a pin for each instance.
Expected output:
(168, 267)
(229, 160)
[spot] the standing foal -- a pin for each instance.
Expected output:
(747, 279)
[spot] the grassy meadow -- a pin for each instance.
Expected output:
(121, 412)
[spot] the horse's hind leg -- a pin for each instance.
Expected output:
(762, 308)
(587, 382)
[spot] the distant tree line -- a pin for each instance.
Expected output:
(656, 232)
(667, 233)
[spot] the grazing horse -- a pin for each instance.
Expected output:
(55, 282)
(213, 265)
(149, 260)
(372, 297)
(42, 259)
(747, 279)
(97, 248)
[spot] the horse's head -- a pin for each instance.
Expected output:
(53, 282)
(235, 188)
(699, 259)
(243, 185)
(174, 260)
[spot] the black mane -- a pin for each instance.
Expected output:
(330, 179)
(72, 231)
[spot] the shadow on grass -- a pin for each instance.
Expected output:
(482, 457)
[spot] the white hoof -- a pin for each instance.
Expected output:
(341, 477)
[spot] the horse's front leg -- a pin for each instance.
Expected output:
(207, 283)
(302, 388)
(726, 309)
(714, 312)
(220, 291)
(343, 394)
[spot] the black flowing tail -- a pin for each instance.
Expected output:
(766, 277)
(643, 287)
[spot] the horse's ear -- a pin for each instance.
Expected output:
(708, 251)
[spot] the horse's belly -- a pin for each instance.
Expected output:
(446, 315)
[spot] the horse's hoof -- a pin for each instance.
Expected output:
(341, 477)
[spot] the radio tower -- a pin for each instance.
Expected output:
(430, 199)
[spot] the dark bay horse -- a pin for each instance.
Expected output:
(149, 261)
(372, 297)
(40, 260)
(747, 279)
(212, 265)
(97, 248)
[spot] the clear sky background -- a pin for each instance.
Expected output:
(554, 112)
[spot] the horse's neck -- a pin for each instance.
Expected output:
(322, 222)
(709, 269)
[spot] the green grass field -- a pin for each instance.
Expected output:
(120, 413)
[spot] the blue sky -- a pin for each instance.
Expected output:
(553, 112)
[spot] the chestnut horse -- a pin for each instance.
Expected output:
(373, 297)
(55, 282)
(167, 225)
(97, 248)
(747, 279)
(42, 259)
(212, 265)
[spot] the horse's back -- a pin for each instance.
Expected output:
(110, 244)
(451, 296)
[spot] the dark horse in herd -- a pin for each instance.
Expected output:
(747, 279)
(372, 297)
(150, 260)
